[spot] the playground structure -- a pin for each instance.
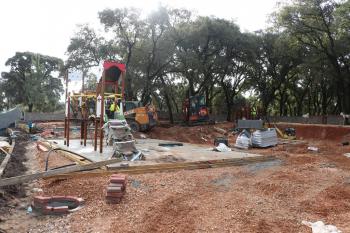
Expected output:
(88, 108)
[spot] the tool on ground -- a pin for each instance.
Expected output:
(289, 133)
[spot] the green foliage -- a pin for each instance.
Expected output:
(299, 66)
(31, 81)
(322, 27)
(90, 82)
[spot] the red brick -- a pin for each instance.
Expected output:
(114, 194)
(56, 210)
(57, 198)
(119, 175)
(41, 199)
(117, 180)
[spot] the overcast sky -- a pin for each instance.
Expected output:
(46, 26)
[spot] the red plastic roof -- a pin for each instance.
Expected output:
(109, 64)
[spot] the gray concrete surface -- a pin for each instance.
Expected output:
(156, 154)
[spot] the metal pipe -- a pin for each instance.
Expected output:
(68, 120)
(102, 110)
(96, 131)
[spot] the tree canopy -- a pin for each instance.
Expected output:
(31, 81)
(300, 65)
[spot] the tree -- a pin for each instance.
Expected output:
(274, 59)
(128, 30)
(322, 26)
(31, 81)
(91, 82)
(232, 63)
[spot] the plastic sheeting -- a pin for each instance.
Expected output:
(320, 227)
(222, 148)
(243, 140)
(264, 138)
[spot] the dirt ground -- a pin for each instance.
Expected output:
(272, 196)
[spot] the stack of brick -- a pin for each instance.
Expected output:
(116, 188)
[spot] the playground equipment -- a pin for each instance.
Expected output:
(88, 108)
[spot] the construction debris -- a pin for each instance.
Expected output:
(35, 176)
(243, 140)
(313, 148)
(116, 188)
(320, 227)
(220, 130)
(4, 161)
(222, 148)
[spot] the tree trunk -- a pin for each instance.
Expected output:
(128, 80)
(167, 100)
(30, 107)
(168, 103)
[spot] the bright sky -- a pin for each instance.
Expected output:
(45, 26)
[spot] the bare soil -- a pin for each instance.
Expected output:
(265, 197)
(14, 167)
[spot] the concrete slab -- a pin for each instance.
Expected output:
(155, 154)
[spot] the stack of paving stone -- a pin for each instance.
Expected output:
(265, 138)
(116, 188)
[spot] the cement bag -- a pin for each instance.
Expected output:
(243, 140)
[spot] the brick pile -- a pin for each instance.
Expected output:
(116, 188)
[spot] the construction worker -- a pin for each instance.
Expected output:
(113, 108)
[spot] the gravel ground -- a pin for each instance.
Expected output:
(263, 198)
(266, 197)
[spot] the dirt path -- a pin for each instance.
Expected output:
(16, 198)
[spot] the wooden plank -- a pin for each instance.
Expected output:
(26, 178)
(4, 162)
(166, 167)
(8, 155)
(71, 156)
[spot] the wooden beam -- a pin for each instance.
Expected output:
(167, 167)
(71, 156)
(35, 176)
(8, 154)
(4, 162)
